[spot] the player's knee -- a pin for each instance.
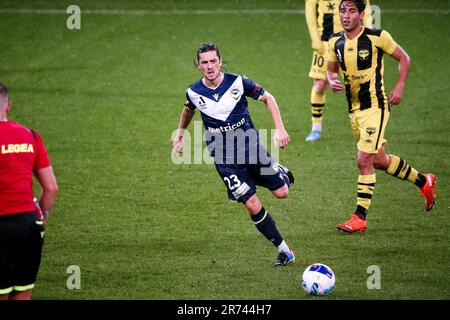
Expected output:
(253, 204)
(381, 163)
(282, 192)
(361, 163)
(320, 86)
(364, 162)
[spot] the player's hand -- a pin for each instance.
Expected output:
(336, 86)
(281, 138)
(396, 95)
(177, 146)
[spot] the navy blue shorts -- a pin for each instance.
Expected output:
(21, 241)
(241, 179)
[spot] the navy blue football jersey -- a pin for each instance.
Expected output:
(225, 115)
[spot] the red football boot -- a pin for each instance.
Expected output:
(355, 224)
(428, 191)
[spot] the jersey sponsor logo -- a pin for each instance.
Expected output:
(363, 54)
(227, 128)
(358, 77)
(17, 148)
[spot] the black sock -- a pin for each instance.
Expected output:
(266, 225)
(420, 181)
(361, 212)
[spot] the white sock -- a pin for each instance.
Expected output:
(317, 126)
(283, 247)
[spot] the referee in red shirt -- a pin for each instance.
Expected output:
(22, 154)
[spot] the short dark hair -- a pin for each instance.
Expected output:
(206, 47)
(360, 4)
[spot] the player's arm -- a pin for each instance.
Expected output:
(333, 77)
(311, 22)
(281, 135)
(185, 119)
(404, 62)
(332, 73)
(367, 19)
(49, 187)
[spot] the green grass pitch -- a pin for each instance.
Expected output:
(107, 98)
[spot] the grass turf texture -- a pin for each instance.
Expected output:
(106, 99)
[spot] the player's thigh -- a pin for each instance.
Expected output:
(238, 181)
(372, 126)
(266, 173)
(20, 251)
(6, 250)
(27, 256)
(319, 65)
(354, 124)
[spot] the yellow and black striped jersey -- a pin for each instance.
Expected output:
(361, 61)
(322, 17)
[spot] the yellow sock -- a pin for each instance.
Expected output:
(317, 105)
(366, 186)
(401, 169)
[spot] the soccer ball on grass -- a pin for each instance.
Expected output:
(318, 279)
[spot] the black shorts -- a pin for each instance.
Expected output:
(21, 241)
(241, 179)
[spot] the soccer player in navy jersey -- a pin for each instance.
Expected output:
(22, 154)
(233, 142)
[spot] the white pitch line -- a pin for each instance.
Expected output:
(203, 11)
